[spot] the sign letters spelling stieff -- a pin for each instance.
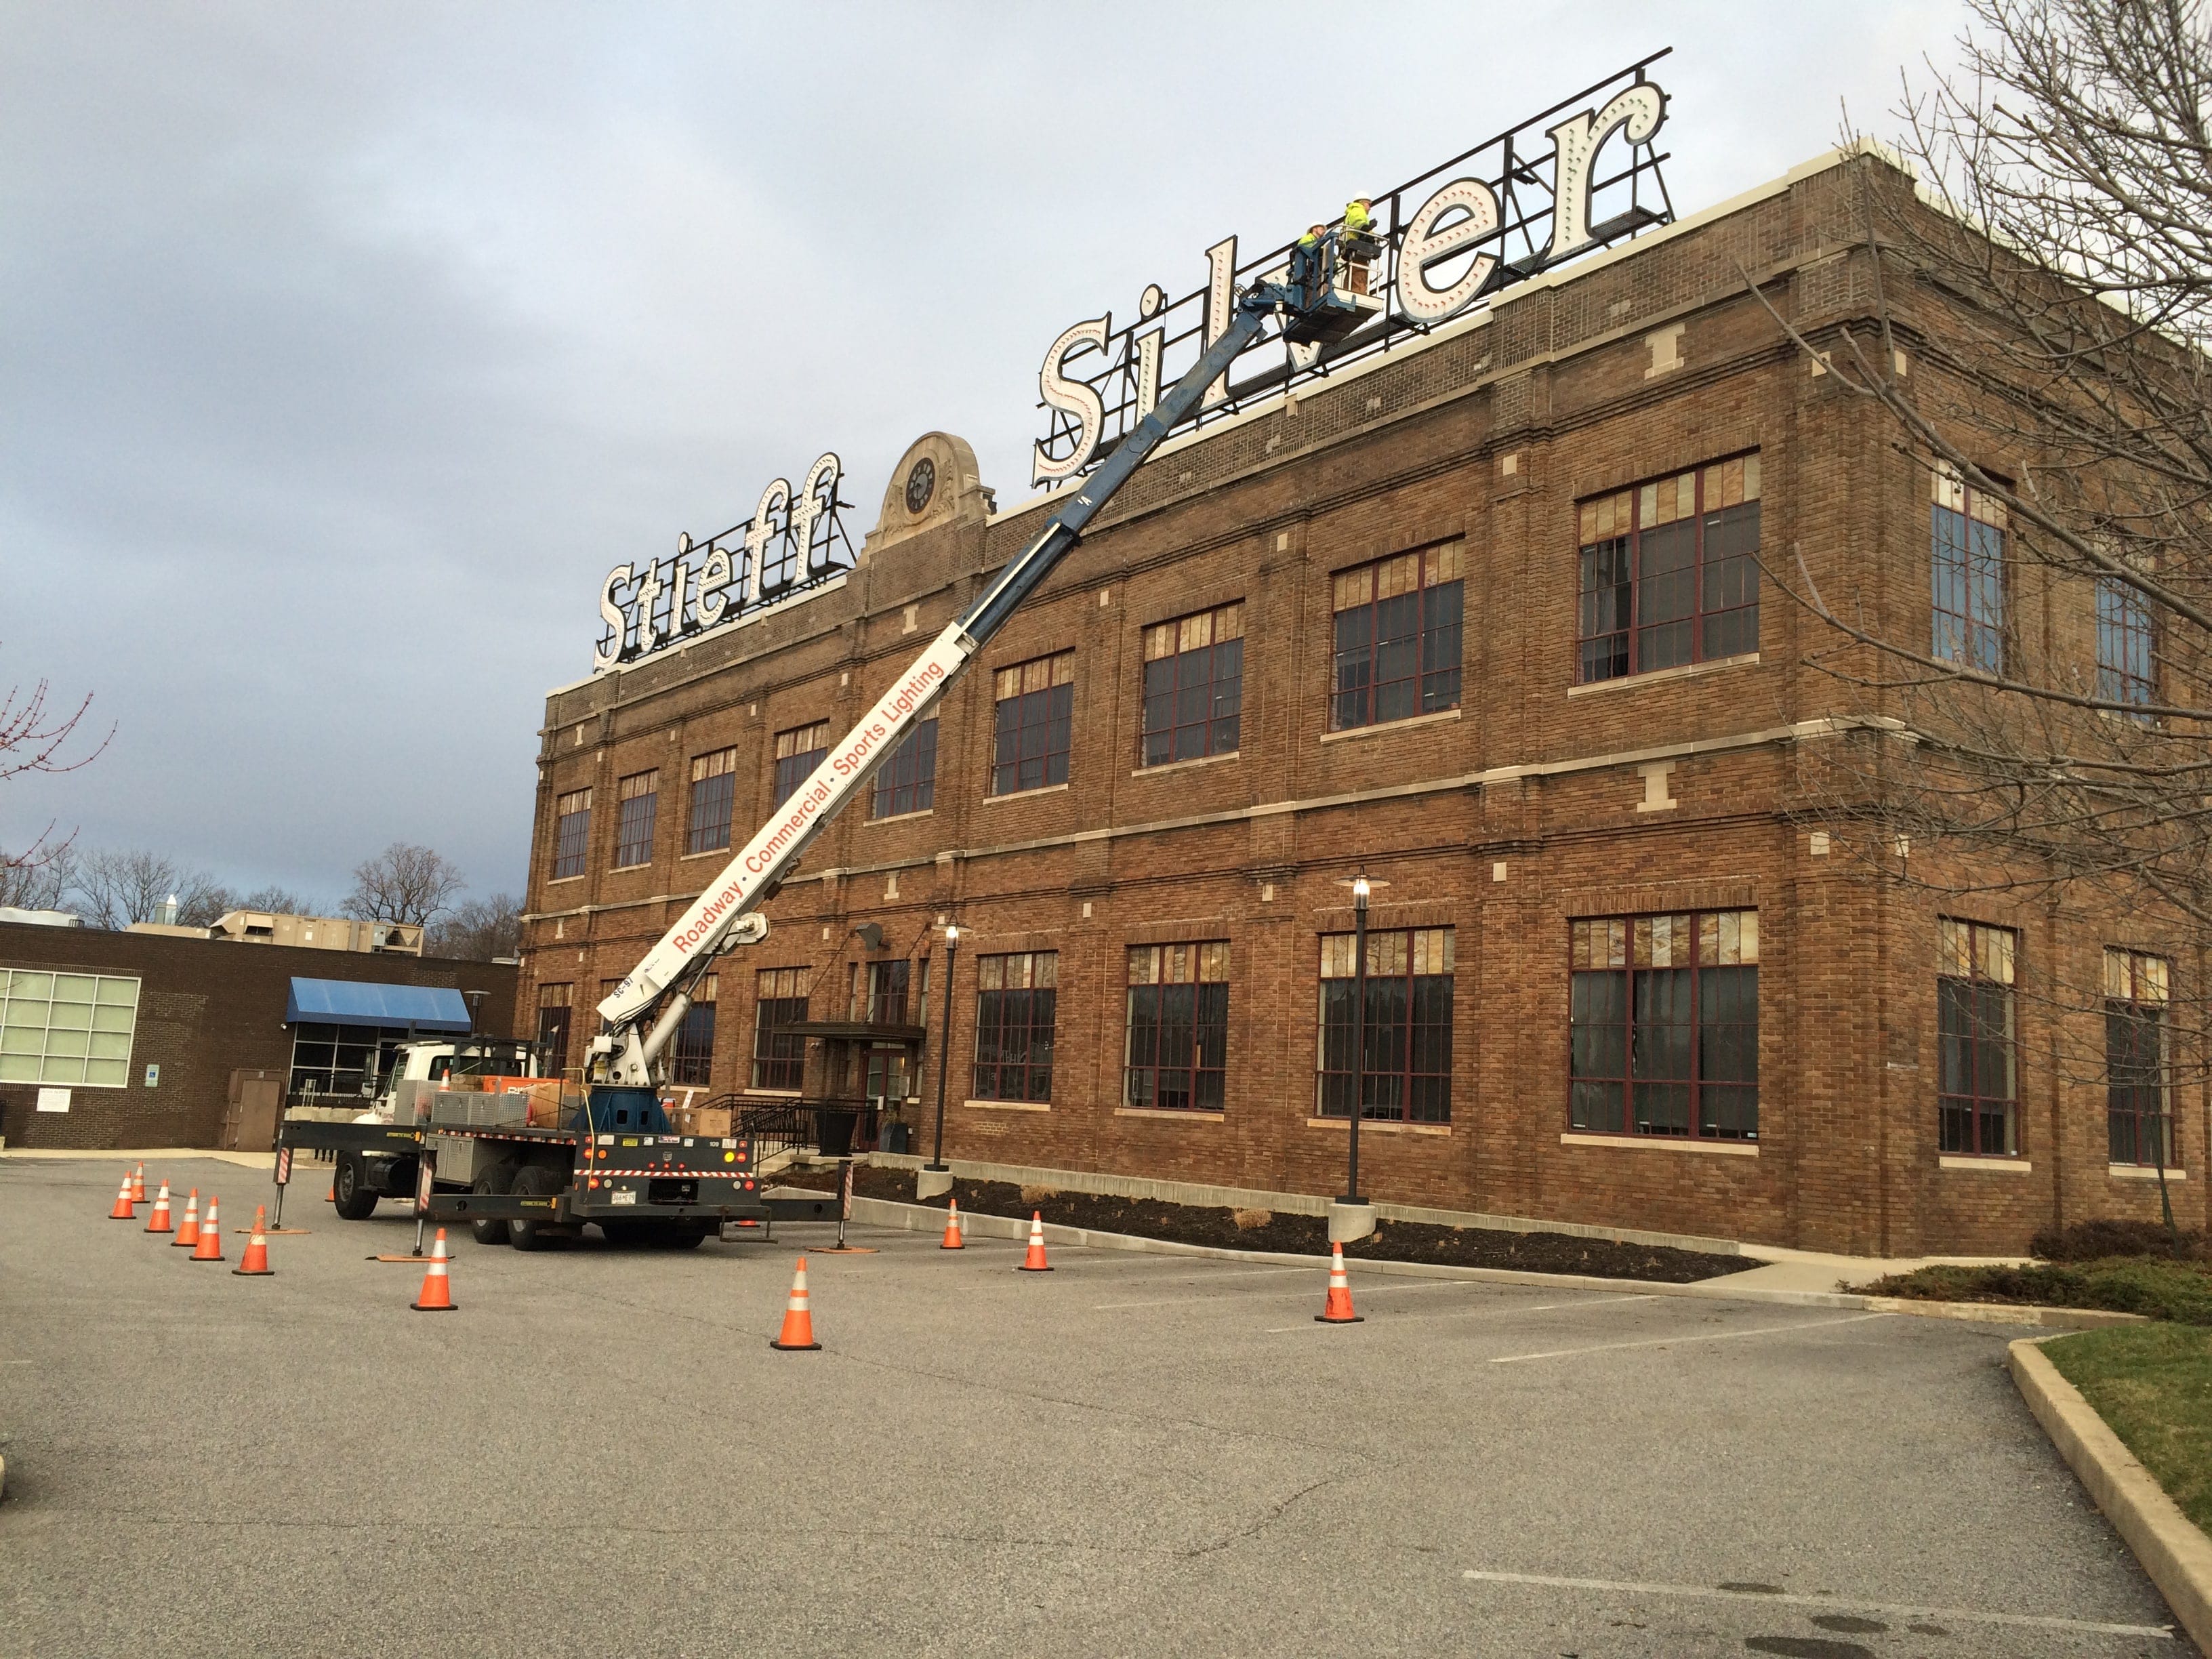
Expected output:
(1554, 186)
(794, 541)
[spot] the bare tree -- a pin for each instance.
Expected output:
(404, 883)
(31, 738)
(481, 930)
(278, 901)
(2038, 339)
(113, 888)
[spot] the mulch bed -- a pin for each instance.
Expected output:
(1300, 1235)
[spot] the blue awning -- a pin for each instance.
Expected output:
(358, 1002)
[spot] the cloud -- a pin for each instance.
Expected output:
(343, 349)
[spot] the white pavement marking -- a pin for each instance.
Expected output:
(1508, 1308)
(1827, 1604)
(1169, 1302)
(1239, 1296)
(1693, 1336)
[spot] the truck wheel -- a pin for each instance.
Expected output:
(493, 1183)
(684, 1235)
(533, 1181)
(355, 1198)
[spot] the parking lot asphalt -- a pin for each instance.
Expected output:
(599, 1454)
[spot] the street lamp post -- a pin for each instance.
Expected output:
(1359, 888)
(944, 1050)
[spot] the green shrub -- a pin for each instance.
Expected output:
(2177, 1290)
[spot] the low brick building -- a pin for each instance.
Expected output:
(1485, 618)
(145, 1039)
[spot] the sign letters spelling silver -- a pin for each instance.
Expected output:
(1534, 195)
(793, 541)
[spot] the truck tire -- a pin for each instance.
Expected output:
(355, 1197)
(494, 1183)
(534, 1181)
(684, 1235)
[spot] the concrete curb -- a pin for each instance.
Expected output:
(916, 1217)
(2177, 1555)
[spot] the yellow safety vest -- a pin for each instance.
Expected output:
(1358, 221)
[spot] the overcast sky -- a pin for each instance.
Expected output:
(344, 348)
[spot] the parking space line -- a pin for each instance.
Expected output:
(1827, 1604)
(1239, 1295)
(1693, 1336)
(1503, 1307)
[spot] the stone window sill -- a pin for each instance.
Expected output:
(2144, 1172)
(554, 881)
(773, 1094)
(1383, 727)
(1185, 765)
(721, 852)
(2000, 1165)
(1169, 1115)
(1660, 676)
(1025, 794)
(1368, 1125)
(1663, 1143)
(1007, 1105)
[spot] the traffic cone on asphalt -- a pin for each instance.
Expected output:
(952, 1239)
(798, 1332)
(159, 1222)
(331, 1196)
(189, 1233)
(210, 1249)
(1337, 1310)
(122, 1211)
(138, 1185)
(255, 1261)
(1033, 1261)
(437, 1293)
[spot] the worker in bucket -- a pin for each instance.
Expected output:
(1361, 241)
(1310, 259)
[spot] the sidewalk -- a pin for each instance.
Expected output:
(147, 1154)
(1812, 1270)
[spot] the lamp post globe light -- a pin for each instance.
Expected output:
(1359, 892)
(936, 1176)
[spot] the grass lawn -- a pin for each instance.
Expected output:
(2152, 1384)
(2179, 1291)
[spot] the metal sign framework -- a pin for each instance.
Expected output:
(1521, 167)
(794, 542)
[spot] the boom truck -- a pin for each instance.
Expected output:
(611, 1159)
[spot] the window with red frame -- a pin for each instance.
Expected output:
(2139, 1108)
(1193, 689)
(691, 1055)
(798, 752)
(779, 1056)
(637, 798)
(572, 833)
(1034, 717)
(1397, 638)
(1016, 1006)
(1177, 1052)
(1663, 1025)
(1977, 1087)
(1670, 572)
(1406, 1074)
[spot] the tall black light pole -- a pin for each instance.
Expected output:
(1359, 1031)
(944, 1050)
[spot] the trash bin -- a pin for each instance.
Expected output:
(898, 1138)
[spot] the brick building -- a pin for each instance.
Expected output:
(1484, 617)
(144, 1039)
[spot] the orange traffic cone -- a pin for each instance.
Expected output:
(138, 1185)
(159, 1222)
(1034, 1261)
(952, 1239)
(798, 1332)
(1337, 1310)
(210, 1249)
(122, 1211)
(331, 1196)
(189, 1233)
(437, 1292)
(255, 1261)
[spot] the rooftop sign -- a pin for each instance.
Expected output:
(793, 542)
(1553, 186)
